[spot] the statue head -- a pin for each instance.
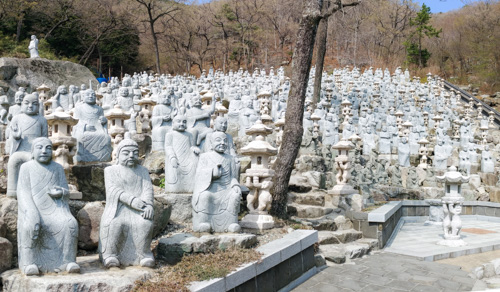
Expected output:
(62, 89)
(123, 91)
(18, 98)
(89, 96)
(219, 142)
(41, 150)
(486, 148)
(127, 153)
(33, 37)
(73, 89)
(83, 87)
(196, 100)
(179, 123)
(30, 105)
(220, 124)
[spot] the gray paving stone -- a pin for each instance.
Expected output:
(354, 285)
(424, 280)
(425, 288)
(379, 280)
(447, 284)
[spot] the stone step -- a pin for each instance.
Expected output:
(308, 211)
(340, 253)
(332, 222)
(312, 198)
(340, 236)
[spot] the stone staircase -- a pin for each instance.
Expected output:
(338, 241)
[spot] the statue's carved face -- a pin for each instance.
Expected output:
(63, 89)
(220, 125)
(129, 156)
(89, 97)
(30, 105)
(179, 123)
(123, 92)
(196, 101)
(42, 151)
(220, 142)
(18, 98)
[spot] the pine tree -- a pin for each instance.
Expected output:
(414, 51)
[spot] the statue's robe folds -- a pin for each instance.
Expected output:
(31, 127)
(124, 233)
(214, 200)
(404, 154)
(56, 244)
(180, 179)
(440, 157)
(94, 143)
(160, 127)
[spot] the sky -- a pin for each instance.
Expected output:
(442, 5)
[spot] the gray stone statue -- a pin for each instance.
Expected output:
(91, 132)
(217, 193)
(161, 121)
(33, 47)
(23, 129)
(220, 125)
(487, 162)
(404, 152)
(63, 99)
(199, 119)
(181, 157)
(47, 232)
(440, 156)
(126, 228)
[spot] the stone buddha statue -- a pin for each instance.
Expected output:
(47, 232)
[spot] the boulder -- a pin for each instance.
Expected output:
(182, 211)
(31, 73)
(8, 214)
(89, 218)
(5, 254)
(89, 179)
(162, 213)
(155, 162)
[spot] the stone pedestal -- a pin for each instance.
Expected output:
(257, 220)
(93, 277)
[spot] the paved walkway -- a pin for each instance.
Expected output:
(383, 271)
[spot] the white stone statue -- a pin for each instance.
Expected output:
(181, 158)
(33, 47)
(199, 119)
(217, 193)
(91, 132)
(464, 164)
(47, 232)
(384, 142)
(487, 162)
(161, 121)
(404, 152)
(440, 156)
(24, 128)
(126, 228)
(63, 99)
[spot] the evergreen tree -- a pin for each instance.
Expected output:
(414, 51)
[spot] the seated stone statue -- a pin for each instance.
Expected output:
(161, 121)
(440, 156)
(23, 129)
(62, 99)
(126, 228)
(47, 232)
(181, 157)
(91, 132)
(217, 193)
(199, 119)
(220, 125)
(487, 162)
(404, 152)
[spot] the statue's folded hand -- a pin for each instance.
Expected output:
(237, 189)
(56, 192)
(148, 212)
(137, 204)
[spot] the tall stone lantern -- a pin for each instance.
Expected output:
(423, 151)
(265, 107)
(43, 91)
(258, 178)
(64, 144)
(452, 207)
(116, 125)
(146, 105)
(337, 195)
(280, 126)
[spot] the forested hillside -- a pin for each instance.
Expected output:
(115, 36)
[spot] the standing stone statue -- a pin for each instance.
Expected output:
(47, 232)
(91, 132)
(217, 193)
(161, 121)
(126, 228)
(199, 119)
(63, 99)
(487, 162)
(23, 130)
(404, 152)
(33, 47)
(440, 156)
(181, 157)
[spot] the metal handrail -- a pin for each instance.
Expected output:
(467, 97)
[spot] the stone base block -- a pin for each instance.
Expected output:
(257, 221)
(452, 242)
(93, 277)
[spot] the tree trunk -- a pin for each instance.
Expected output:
(320, 58)
(157, 51)
(292, 135)
(18, 29)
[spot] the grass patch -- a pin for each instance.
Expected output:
(197, 267)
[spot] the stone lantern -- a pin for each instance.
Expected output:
(64, 145)
(265, 107)
(452, 207)
(258, 178)
(337, 195)
(43, 91)
(206, 99)
(484, 133)
(423, 152)
(437, 119)
(491, 119)
(316, 133)
(399, 118)
(426, 118)
(456, 129)
(346, 109)
(116, 124)
(145, 114)
(406, 128)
